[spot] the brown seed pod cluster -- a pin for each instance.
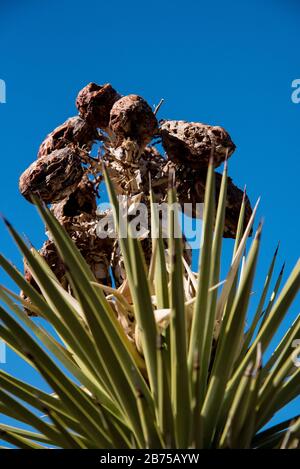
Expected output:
(132, 118)
(74, 131)
(191, 189)
(52, 177)
(94, 103)
(83, 231)
(49, 253)
(67, 176)
(191, 143)
(81, 200)
(77, 214)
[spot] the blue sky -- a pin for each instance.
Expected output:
(229, 63)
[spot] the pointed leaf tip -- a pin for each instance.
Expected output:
(5, 220)
(282, 268)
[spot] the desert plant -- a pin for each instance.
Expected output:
(166, 360)
(126, 132)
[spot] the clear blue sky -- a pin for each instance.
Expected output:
(229, 63)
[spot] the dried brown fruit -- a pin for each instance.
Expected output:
(94, 103)
(191, 143)
(82, 228)
(60, 175)
(77, 214)
(82, 200)
(191, 189)
(29, 278)
(52, 177)
(132, 118)
(50, 255)
(75, 130)
(233, 206)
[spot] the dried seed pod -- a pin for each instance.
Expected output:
(233, 206)
(191, 189)
(94, 103)
(50, 255)
(132, 118)
(96, 251)
(29, 278)
(82, 228)
(52, 177)
(77, 214)
(75, 130)
(98, 258)
(82, 200)
(191, 143)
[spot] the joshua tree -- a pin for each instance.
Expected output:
(67, 176)
(157, 355)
